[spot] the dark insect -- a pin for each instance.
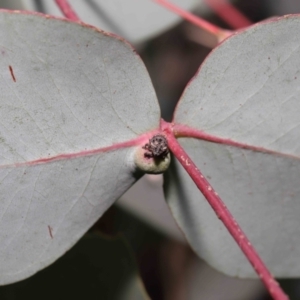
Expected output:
(157, 147)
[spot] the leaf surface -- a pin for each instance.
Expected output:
(245, 102)
(94, 266)
(72, 99)
(135, 20)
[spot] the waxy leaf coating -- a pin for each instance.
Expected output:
(245, 101)
(72, 98)
(76, 101)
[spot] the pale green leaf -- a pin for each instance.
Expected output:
(67, 92)
(247, 91)
(135, 20)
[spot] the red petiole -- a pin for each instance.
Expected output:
(67, 10)
(218, 32)
(226, 11)
(223, 214)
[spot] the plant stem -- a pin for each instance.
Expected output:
(218, 32)
(67, 10)
(224, 215)
(226, 11)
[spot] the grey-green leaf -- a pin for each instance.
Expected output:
(68, 92)
(96, 267)
(135, 20)
(247, 91)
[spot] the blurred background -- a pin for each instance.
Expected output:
(136, 251)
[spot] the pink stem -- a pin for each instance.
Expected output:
(67, 10)
(229, 13)
(224, 215)
(214, 30)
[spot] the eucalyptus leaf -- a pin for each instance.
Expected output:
(135, 20)
(96, 267)
(246, 92)
(68, 91)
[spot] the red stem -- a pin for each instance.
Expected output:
(224, 215)
(218, 32)
(67, 10)
(229, 13)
